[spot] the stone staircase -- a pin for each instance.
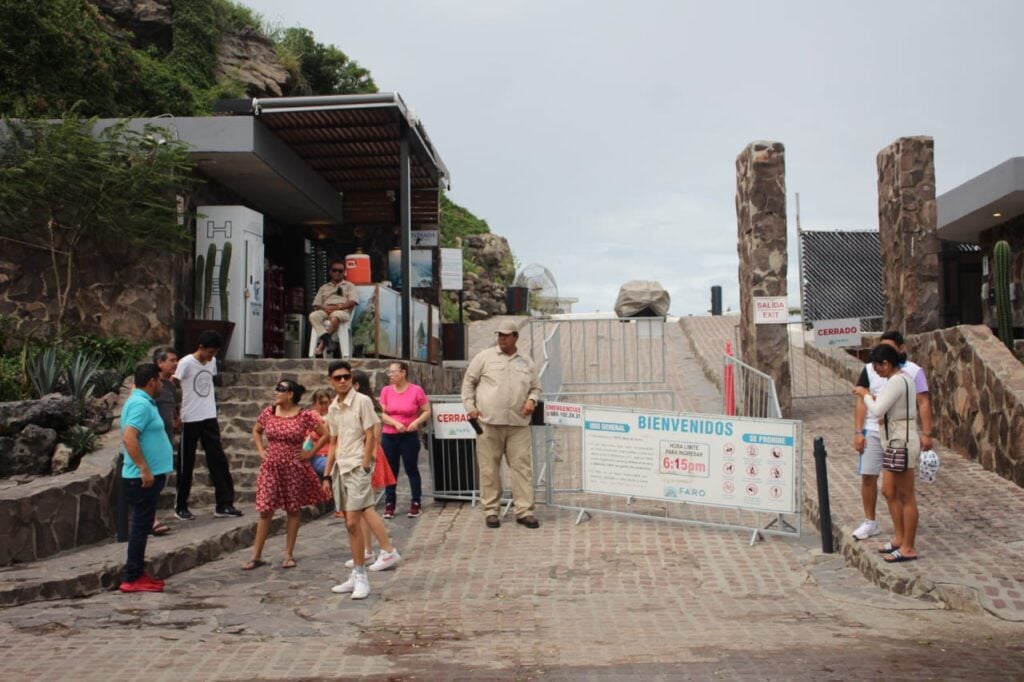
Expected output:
(246, 388)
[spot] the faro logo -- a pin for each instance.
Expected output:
(692, 492)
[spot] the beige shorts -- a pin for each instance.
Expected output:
(352, 490)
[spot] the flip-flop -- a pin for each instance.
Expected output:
(253, 563)
(160, 529)
(288, 563)
(896, 557)
(888, 548)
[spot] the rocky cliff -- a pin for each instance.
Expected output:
(491, 272)
(243, 54)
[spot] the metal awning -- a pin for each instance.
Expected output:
(354, 143)
(983, 202)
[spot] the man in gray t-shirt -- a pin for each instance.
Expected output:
(167, 401)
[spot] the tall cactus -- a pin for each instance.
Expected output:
(211, 257)
(197, 305)
(225, 267)
(1001, 282)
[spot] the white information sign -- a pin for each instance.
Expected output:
(450, 421)
(770, 310)
(423, 238)
(693, 458)
(837, 333)
(451, 269)
(563, 414)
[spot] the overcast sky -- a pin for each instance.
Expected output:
(600, 137)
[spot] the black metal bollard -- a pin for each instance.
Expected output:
(824, 510)
(122, 504)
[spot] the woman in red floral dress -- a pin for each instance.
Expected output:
(286, 479)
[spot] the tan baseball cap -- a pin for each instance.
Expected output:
(507, 327)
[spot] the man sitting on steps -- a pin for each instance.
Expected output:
(332, 310)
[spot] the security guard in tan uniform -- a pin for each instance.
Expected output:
(501, 389)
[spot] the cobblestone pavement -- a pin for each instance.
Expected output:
(610, 598)
(971, 533)
(606, 599)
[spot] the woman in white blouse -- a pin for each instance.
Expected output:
(896, 410)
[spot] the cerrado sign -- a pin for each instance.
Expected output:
(837, 333)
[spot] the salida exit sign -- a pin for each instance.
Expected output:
(770, 310)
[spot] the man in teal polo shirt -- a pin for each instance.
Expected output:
(148, 457)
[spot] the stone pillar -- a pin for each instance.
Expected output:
(761, 219)
(907, 231)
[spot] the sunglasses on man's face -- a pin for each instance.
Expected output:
(337, 269)
(341, 377)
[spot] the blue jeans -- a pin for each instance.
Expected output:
(403, 448)
(319, 464)
(143, 505)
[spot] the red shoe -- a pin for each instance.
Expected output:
(389, 511)
(142, 584)
(152, 580)
(414, 510)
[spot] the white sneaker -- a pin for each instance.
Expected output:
(347, 586)
(385, 561)
(362, 586)
(367, 559)
(866, 530)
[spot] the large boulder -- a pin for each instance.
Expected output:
(53, 411)
(638, 298)
(31, 452)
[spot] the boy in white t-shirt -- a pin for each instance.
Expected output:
(867, 440)
(195, 374)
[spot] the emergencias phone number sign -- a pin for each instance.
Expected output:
(693, 458)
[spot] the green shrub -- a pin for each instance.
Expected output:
(12, 379)
(107, 381)
(112, 352)
(81, 439)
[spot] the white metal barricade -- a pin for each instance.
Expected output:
(711, 470)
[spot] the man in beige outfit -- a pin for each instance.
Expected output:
(501, 389)
(332, 310)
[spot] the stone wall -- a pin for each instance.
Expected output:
(42, 516)
(120, 292)
(907, 229)
(761, 219)
(977, 394)
(1013, 232)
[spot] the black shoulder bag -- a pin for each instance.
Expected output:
(896, 452)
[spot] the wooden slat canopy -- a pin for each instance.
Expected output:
(354, 143)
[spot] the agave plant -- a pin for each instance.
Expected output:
(44, 370)
(81, 439)
(79, 376)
